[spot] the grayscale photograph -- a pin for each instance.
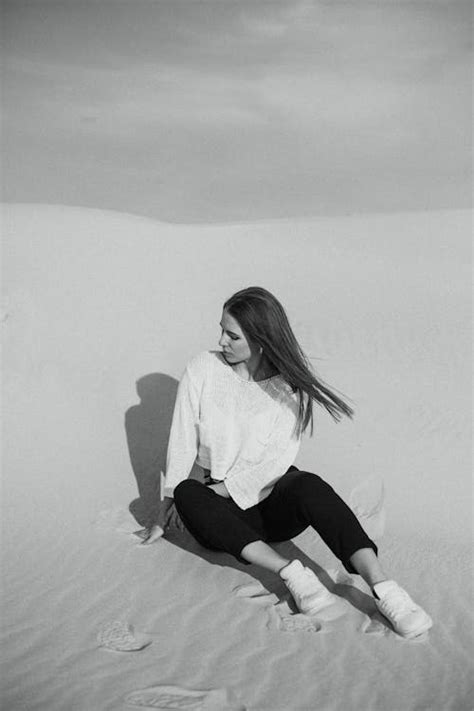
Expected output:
(237, 355)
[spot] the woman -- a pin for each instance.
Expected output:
(240, 414)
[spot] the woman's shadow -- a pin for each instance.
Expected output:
(147, 427)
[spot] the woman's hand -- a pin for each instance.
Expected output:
(152, 535)
(220, 489)
(174, 520)
(167, 517)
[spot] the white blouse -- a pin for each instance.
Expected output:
(243, 431)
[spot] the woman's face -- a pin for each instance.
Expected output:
(233, 342)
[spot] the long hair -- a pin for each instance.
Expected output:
(263, 320)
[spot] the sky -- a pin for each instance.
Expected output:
(227, 111)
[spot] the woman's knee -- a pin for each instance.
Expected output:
(307, 484)
(186, 492)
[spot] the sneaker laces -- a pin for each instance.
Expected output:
(304, 582)
(397, 602)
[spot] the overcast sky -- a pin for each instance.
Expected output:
(197, 111)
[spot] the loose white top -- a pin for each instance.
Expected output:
(243, 431)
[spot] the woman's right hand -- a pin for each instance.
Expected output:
(153, 534)
(167, 516)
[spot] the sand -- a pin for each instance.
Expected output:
(95, 302)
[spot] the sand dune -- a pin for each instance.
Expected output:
(102, 311)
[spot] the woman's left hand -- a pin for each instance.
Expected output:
(175, 521)
(220, 489)
(152, 534)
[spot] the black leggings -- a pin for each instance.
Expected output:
(298, 500)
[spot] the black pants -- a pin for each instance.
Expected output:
(298, 500)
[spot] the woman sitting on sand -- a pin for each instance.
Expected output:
(240, 414)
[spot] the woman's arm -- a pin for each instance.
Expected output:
(183, 440)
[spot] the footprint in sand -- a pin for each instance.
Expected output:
(174, 697)
(376, 626)
(120, 637)
(282, 616)
(285, 618)
(255, 593)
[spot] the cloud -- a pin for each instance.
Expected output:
(230, 89)
(120, 100)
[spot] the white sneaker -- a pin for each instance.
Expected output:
(308, 593)
(406, 617)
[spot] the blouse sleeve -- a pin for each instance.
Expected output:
(183, 441)
(251, 480)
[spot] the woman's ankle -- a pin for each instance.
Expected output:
(284, 566)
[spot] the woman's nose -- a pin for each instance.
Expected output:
(222, 340)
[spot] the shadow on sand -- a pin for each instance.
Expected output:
(147, 426)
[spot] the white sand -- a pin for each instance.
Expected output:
(96, 301)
